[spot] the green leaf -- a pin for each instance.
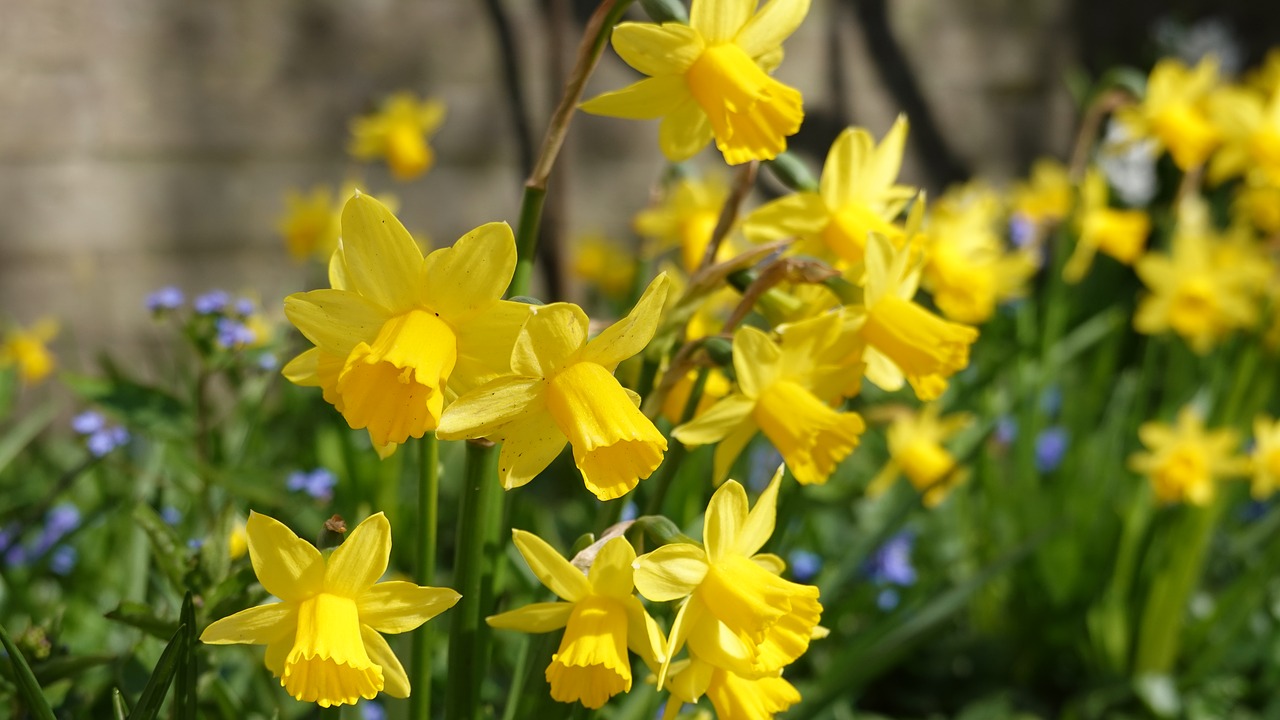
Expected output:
(139, 405)
(170, 552)
(118, 705)
(152, 698)
(144, 618)
(66, 666)
(24, 432)
(185, 695)
(28, 688)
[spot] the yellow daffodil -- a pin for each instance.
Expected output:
(323, 637)
(739, 616)
(1120, 234)
(1174, 111)
(1184, 461)
(399, 132)
(784, 390)
(601, 619)
(600, 261)
(398, 333)
(711, 78)
(857, 194)
(1265, 457)
(310, 225)
(905, 342)
(563, 390)
(1250, 124)
(916, 450)
(238, 541)
(28, 350)
(1191, 291)
(1260, 203)
(734, 697)
(1046, 196)
(686, 219)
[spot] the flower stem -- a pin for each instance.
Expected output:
(428, 490)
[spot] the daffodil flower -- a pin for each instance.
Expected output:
(399, 132)
(1046, 196)
(323, 637)
(1250, 123)
(310, 225)
(916, 451)
(563, 390)
(1265, 457)
(739, 616)
(710, 78)
(397, 333)
(733, 697)
(905, 342)
(28, 350)
(857, 194)
(1184, 461)
(785, 389)
(601, 619)
(1121, 234)
(1175, 113)
(686, 218)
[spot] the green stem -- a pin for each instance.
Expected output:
(1160, 635)
(428, 491)
(477, 553)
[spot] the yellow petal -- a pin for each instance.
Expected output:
(671, 572)
(755, 359)
(734, 696)
(758, 527)
(750, 112)
(611, 572)
(644, 637)
(255, 626)
(775, 22)
(800, 214)
(730, 448)
(529, 445)
(632, 333)
(592, 665)
(667, 49)
(395, 680)
(328, 663)
(361, 559)
(725, 516)
(812, 437)
(685, 130)
(287, 566)
(400, 606)
(483, 410)
(556, 573)
(839, 182)
(304, 369)
(647, 99)
(473, 274)
(383, 262)
(717, 422)
(335, 320)
(485, 344)
(720, 20)
(534, 618)
(550, 337)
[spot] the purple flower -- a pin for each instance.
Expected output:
(166, 298)
(211, 302)
(8, 534)
(370, 710)
(1051, 447)
(15, 556)
(890, 564)
(887, 599)
(171, 515)
(629, 511)
(804, 565)
(107, 439)
(1022, 230)
(268, 362)
(88, 422)
(318, 483)
(63, 560)
(1006, 430)
(244, 307)
(61, 519)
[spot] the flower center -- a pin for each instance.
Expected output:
(1194, 308)
(592, 664)
(751, 114)
(812, 437)
(328, 664)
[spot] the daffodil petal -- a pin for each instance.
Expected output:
(549, 337)
(799, 214)
(755, 359)
(395, 679)
(473, 274)
(278, 652)
(611, 572)
(485, 409)
(485, 343)
(730, 448)
(644, 100)
(770, 562)
(667, 49)
(717, 422)
(726, 514)
(838, 183)
(361, 559)
(253, 626)
(720, 20)
(685, 130)
(288, 567)
(383, 263)
(670, 572)
(758, 526)
(335, 320)
(629, 335)
(774, 22)
(534, 618)
(304, 369)
(529, 445)
(338, 271)
(551, 569)
(644, 637)
(399, 606)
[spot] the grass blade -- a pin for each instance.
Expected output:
(28, 688)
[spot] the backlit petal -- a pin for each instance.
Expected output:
(796, 215)
(644, 637)
(287, 566)
(483, 410)
(716, 423)
(670, 572)
(395, 679)
(685, 130)
(473, 274)
(529, 445)
(755, 359)
(611, 572)
(667, 49)
(535, 618)
(485, 344)
(335, 320)
(726, 513)
(839, 182)
(383, 262)
(303, 369)
(632, 333)
(730, 448)
(400, 606)
(552, 334)
(647, 99)
(720, 20)
(254, 626)
(556, 573)
(775, 22)
(361, 559)
(758, 527)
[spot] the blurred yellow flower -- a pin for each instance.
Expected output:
(1174, 111)
(916, 451)
(1120, 234)
(563, 390)
(397, 332)
(601, 619)
(1265, 457)
(733, 697)
(237, 541)
(784, 390)
(857, 194)
(28, 350)
(1047, 195)
(1184, 461)
(686, 218)
(716, 387)
(310, 225)
(1250, 123)
(399, 132)
(323, 637)
(599, 261)
(710, 78)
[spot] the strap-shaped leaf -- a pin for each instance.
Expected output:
(28, 688)
(185, 694)
(148, 707)
(118, 706)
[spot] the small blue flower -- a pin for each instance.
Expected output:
(16, 556)
(8, 534)
(804, 565)
(61, 519)
(211, 302)
(318, 483)
(630, 511)
(890, 564)
(1051, 447)
(370, 710)
(765, 459)
(268, 361)
(107, 439)
(166, 298)
(171, 515)
(1006, 430)
(88, 422)
(887, 599)
(195, 543)
(234, 334)
(244, 307)
(1022, 230)
(63, 560)
(1051, 401)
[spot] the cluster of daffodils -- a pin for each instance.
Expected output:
(1185, 461)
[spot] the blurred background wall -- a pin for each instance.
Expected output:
(150, 142)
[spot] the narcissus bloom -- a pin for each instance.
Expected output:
(1046, 196)
(857, 194)
(1265, 457)
(601, 619)
(399, 132)
(563, 390)
(397, 334)
(1250, 122)
(1175, 113)
(28, 350)
(784, 390)
(686, 218)
(734, 697)
(1121, 234)
(323, 637)
(740, 616)
(711, 78)
(916, 450)
(906, 342)
(311, 224)
(1184, 461)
